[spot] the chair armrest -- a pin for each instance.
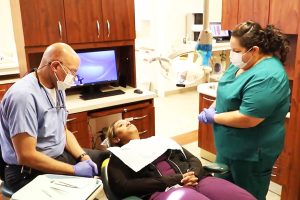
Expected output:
(218, 168)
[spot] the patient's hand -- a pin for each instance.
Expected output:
(189, 179)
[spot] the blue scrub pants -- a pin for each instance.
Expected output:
(15, 180)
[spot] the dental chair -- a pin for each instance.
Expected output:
(5, 190)
(212, 168)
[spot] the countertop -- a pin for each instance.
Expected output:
(210, 89)
(13, 80)
(74, 104)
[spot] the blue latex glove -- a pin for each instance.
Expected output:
(207, 115)
(86, 168)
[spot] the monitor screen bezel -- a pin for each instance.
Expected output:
(99, 83)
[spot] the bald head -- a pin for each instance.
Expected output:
(60, 52)
(59, 59)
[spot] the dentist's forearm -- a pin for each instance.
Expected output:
(73, 147)
(236, 119)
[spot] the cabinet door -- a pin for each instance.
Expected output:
(282, 166)
(285, 15)
(43, 22)
(143, 119)
(78, 124)
(205, 132)
(229, 14)
(118, 19)
(83, 21)
(253, 10)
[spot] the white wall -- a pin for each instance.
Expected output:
(7, 41)
(161, 24)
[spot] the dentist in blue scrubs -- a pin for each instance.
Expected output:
(33, 134)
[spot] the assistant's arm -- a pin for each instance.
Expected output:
(236, 119)
(260, 99)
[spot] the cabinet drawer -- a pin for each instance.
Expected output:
(3, 89)
(78, 125)
(77, 117)
(143, 119)
(281, 169)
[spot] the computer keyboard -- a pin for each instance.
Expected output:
(101, 94)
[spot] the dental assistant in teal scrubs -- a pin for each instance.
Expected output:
(253, 98)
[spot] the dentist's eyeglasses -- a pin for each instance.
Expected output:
(64, 67)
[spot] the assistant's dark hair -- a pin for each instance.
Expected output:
(270, 40)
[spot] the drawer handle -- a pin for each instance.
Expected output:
(60, 29)
(273, 175)
(212, 100)
(275, 167)
(74, 132)
(125, 110)
(3, 90)
(135, 118)
(72, 119)
(98, 28)
(108, 28)
(139, 118)
(143, 132)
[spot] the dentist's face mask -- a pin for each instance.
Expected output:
(237, 59)
(68, 82)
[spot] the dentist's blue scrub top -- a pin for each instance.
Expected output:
(27, 107)
(263, 92)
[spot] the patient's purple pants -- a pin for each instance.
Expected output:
(208, 188)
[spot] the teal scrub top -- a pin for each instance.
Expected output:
(263, 92)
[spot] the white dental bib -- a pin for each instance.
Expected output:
(140, 152)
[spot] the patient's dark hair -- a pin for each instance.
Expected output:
(111, 134)
(270, 40)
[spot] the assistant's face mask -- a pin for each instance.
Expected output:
(68, 82)
(237, 59)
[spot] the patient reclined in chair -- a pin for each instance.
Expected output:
(157, 168)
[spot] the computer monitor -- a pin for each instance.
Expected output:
(97, 68)
(218, 33)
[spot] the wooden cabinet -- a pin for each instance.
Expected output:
(4, 88)
(141, 114)
(282, 166)
(84, 21)
(78, 124)
(118, 19)
(205, 131)
(43, 22)
(283, 15)
(142, 117)
(84, 24)
(254, 10)
(99, 20)
(229, 14)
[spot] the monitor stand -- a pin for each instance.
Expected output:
(94, 92)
